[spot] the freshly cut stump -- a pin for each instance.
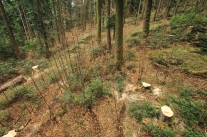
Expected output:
(166, 114)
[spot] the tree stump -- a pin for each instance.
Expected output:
(166, 114)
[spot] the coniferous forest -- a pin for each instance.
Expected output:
(103, 68)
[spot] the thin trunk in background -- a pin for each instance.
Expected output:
(146, 24)
(168, 7)
(143, 8)
(185, 5)
(98, 9)
(11, 35)
(44, 33)
(119, 33)
(55, 17)
(108, 29)
(176, 8)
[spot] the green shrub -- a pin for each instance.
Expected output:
(131, 65)
(129, 55)
(133, 42)
(190, 132)
(94, 90)
(54, 78)
(2, 131)
(190, 27)
(135, 34)
(22, 92)
(86, 40)
(26, 66)
(4, 115)
(42, 63)
(155, 131)
(4, 103)
(7, 70)
(139, 111)
(192, 112)
(95, 51)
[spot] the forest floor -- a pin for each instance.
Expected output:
(170, 69)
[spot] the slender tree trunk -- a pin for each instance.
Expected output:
(119, 33)
(103, 20)
(95, 12)
(98, 8)
(30, 32)
(185, 5)
(168, 9)
(44, 33)
(143, 8)
(146, 24)
(176, 8)
(23, 23)
(157, 6)
(55, 17)
(108, 29)
(11, 35)
(140, 3)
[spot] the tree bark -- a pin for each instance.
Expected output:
(168, 9)
(30, 32)
(143, 9)
(98, 9)
(146, 24)
(185, 5)
(23, 23)
(157, 6)
(55, 17)
(119, 33)
(108, 29)
(44, 33)
(11, 35)
(176, 8)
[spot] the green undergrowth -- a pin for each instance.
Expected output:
(156, 131)
(186, 58)
(18, 93)
(97, 88)
(192, 111)
(141, 110)
(86, 40)
(190, 27)
(8, 70)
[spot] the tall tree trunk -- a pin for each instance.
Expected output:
(119, 33)
(143, 9)
(185, 5)
(140, 3)
(60, 20)
(157, 6)
(30, 32)
(44, 33)
(23, 23)
(108, 29)
(168, 8)
(55, 17)
(11, 35)
(176, 8)
(146, 24)
(98, 8)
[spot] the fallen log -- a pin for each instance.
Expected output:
(13, 82)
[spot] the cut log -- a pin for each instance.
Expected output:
(11, 133)
(146, 85)
(166, 114)
(11, 83)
